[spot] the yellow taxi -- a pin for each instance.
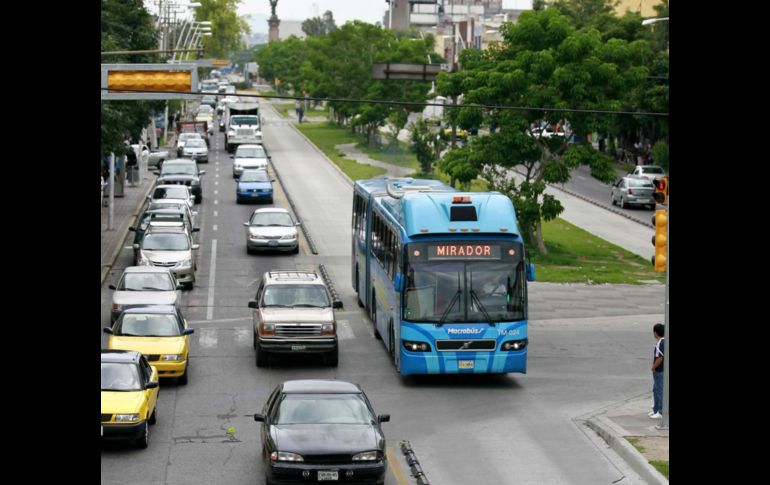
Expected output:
(159, 332)
(460, 132)
(129, 396)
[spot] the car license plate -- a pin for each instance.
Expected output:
(272, 243)
(299, 347)
(328, 475)
(465, 364)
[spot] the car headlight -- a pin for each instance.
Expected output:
(367, 456)
(289, 236)
(230, 133)
(515, 344)
(184, 262)
(255, 236)
(172, 357)
(126, 418)
(285, 456)
(416, 346)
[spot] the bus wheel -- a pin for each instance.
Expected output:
(392, 340)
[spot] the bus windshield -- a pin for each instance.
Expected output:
(465, 291)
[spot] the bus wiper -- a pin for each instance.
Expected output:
(448, 308)
(481, 307)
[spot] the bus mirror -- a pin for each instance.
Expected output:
(530, 272)
(398, 282)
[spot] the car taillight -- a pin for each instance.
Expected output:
(629, 190)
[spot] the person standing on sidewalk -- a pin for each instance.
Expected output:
(657, 371)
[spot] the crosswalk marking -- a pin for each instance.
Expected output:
(344, 330)
(243, 336)
(207, 337)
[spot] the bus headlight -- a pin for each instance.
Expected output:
(515, 344)
(416, 346)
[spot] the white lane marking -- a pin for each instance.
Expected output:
(221, 320)
(216, 192)
(216, 202)
(207, 337)
(212, 279)
(216, 182)
(215, 213)
(243, 336)
(214, 227)
(344, 331)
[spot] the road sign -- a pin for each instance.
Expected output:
(175, 80)
(220, 63)
(401, 71)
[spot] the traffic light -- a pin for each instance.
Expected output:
(661, 190)
(659, 240)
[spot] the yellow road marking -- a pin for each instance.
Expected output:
(395, 467)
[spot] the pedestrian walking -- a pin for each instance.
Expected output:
(658, 332)
(130, 165)
(296, 107)
(300, 113)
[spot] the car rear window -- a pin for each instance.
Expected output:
(655, 170)
(639, 183)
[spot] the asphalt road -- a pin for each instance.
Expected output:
(589, 347)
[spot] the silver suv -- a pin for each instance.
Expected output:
(293, 312)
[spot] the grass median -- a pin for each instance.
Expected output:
(325, 136)
(575, 255)
(660, 465)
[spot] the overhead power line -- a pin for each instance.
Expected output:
(402, 103)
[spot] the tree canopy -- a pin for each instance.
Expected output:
(227, 27)
(319, 25)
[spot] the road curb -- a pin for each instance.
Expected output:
(106, 267)
(591, 201)
(626, 451)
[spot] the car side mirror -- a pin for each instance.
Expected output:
(112, 287)
(196, 229)
(195, 213)
(246, 224)
(179, 287)
(337, 304)
(530, 272)
(188, 331)
(383, 418)
(298, 224)
(259, 418)
(108, 330)
(202, 172)
(398, 282)
(270, 157)
(253, 304)
(272, 180)
(135, 246)
(149, 197)
(195, 247)
(151, 385)
(232, 156)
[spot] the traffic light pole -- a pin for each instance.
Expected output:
(667, 347)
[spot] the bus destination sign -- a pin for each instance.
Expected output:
(464, 251)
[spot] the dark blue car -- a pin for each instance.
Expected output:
(254, 185)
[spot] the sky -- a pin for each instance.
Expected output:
(371, 11)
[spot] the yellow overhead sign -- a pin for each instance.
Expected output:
(174, 81)
(216, 62)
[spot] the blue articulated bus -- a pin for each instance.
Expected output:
(442, 275)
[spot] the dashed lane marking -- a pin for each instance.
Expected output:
(212, 279)
(214, 227)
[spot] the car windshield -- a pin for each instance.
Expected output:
(443, 292)
(188, 136)
(271, 219)
(120, 377)
(166, 242)
(254, 176)
(639, 183)
(149, 325)
(146, 282)
(295, 295)
(253, 152)
(195, 143)
(178, 169)
(150, 217)
(204, 108)
(323, 409)
(244, 120)
(176, 192)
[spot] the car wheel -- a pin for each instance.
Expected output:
(154, 417)
(249, 250)
(237, 200)
(333, 357)
(255, 340)
(296, 250)
(270, 200)
(261, 357)
(189, 286)
(182, 380)
(144, 439)
(612, 199)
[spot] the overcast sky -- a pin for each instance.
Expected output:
(370, 11)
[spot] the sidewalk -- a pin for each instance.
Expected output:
(629, 419)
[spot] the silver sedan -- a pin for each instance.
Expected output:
(272, 228)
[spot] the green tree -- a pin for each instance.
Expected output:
(585, 12)
(319, 25)
(545, 62)
(227, 27)
(126, 25)
(424, 145)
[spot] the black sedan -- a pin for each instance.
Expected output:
(319, 431)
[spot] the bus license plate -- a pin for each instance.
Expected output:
(299, 347)
(465, 364)
(328, 475)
